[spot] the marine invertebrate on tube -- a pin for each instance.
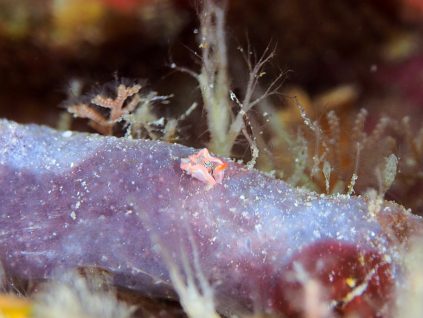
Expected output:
(70, 200)
(204, 167)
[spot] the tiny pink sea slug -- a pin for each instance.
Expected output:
(70, 199)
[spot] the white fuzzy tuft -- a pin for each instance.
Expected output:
(74, 297)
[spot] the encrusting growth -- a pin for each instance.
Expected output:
(250, 234)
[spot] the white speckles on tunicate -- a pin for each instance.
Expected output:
(245, 215)
(258, 227)
(36, 150)
(251, 214)
(67, 134)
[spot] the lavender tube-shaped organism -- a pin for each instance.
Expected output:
(70, 199)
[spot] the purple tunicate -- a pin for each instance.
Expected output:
(73, 200)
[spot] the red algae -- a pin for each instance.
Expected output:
(73, 200)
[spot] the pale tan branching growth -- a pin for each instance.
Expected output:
(261, 156)
(389, 172)
(412, 157)
(214, 79)
(225, 125)
(144, 123)
(116, 105)
(334, 137)
(374, 202)
(251, 140)
(313, 304)
(326, 156)
(255, 73)
(74, 297)
(410, 294)
(196, 295)
(139, 121)
(358, 134)
(321, 148)
(385, 175)
(300, 153)
(327, 169)
(64, 122)
(73, 91)
(378, 132)
(129, 110)
(125, 102)
(354, 176)
(413, 141)
(197, 299)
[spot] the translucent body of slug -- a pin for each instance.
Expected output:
(204, 167)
